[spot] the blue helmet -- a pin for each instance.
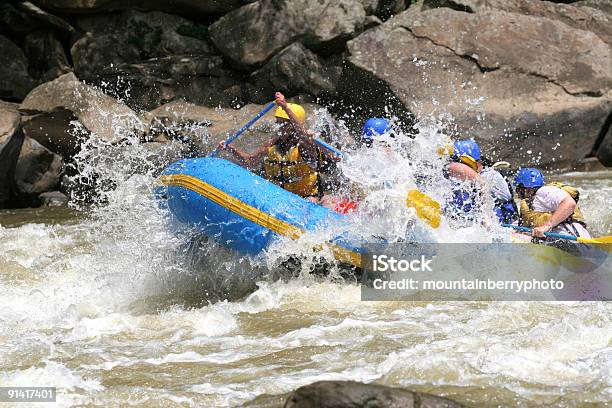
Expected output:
(529, 177)
(466, 148)
(375, 127)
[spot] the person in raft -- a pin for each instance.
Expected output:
(292, 160)
(548, 207)
(466, 164)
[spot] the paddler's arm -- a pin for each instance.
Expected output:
(249, 160)
(307, 146)
(565, 209)
(462, 171)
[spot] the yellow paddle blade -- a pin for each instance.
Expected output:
(426, 207)
(600, 240)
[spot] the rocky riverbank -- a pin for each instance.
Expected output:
(530, 79)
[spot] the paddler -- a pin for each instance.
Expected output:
(292, 160)
(466, 165)
(373, 129)
(548, 207)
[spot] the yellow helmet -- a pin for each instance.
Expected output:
(297, 110)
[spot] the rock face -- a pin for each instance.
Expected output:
(11, 139)
(604, 151)
(53, 107)
(38, 170)
(336, 394)
(46, 55)
(159, 57)
(189, 7)
(294, 70)
(53, 199)
(520, 101)
(15, 81)
(584, 15)
(252, 34)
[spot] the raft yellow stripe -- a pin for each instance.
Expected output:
(251, 213)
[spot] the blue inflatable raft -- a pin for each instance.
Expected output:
(243, 211)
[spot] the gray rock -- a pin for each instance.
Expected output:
(11, 139)
(38, 169)
(293, 70)
(252, 34)
(15, 22)
(63, 112)
(589, 15)
(200, 79)
(132, 37)
(158, 58)
(15, 82)
(46, 56)
(45, 18)
(53, 199)
(336, 394)
(187, 7)
(520, 84)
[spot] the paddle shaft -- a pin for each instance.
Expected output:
(548, 234)
(328, 147)
(250, 123)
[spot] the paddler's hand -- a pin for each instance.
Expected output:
(280, 100)
(222, 146)
(540, 231)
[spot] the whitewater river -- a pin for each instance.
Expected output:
(112, 309)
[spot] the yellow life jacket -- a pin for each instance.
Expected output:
(291, 172)
(531, 218)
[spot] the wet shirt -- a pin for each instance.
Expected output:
(497, 184)
(548, 199)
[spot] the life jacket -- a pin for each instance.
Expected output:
(531, 218)
(291, 172)
(506, 211)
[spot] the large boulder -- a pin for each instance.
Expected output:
(15, 22)
(252, 34)
(46, 55)
(38, 170)
(585, 15)
(187, 7)
(15, 81)
(133, 36)
(294, 70)
(335, 394)
(11, 139)
(61, 113)
(148, 59)
(522, 85)
(47, 19)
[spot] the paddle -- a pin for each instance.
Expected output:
(250, 123)
(328, 147)
(426, 207)
(600, 240)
